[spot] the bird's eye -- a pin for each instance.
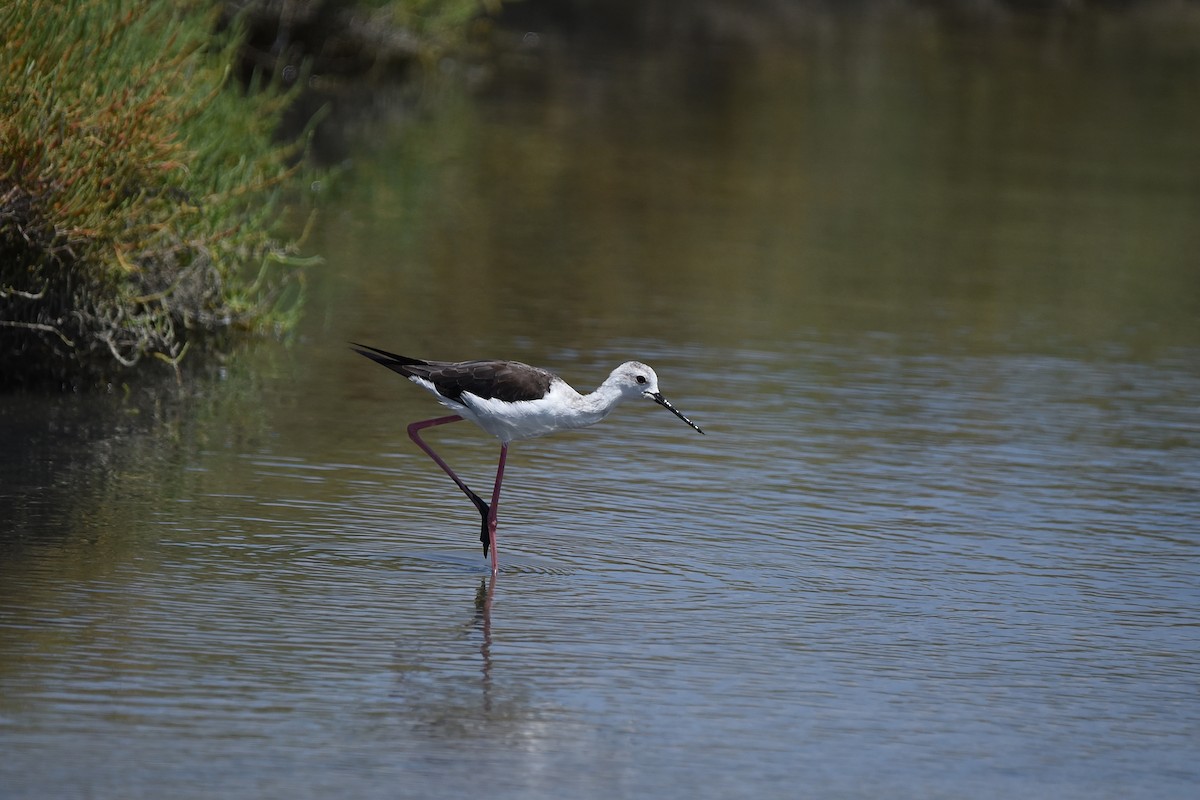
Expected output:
(641, 379)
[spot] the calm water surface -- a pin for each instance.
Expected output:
(936, 303)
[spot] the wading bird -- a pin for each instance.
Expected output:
(513, 401)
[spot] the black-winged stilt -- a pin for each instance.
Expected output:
(513, 401)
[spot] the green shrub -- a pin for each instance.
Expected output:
(136, 189)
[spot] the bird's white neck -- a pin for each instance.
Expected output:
(590, 408)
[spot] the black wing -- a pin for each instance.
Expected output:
(503, 380)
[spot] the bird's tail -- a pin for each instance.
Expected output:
(394, 362)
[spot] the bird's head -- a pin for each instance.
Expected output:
(635, 378)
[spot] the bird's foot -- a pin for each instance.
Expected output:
(485, 532)
(485, 518)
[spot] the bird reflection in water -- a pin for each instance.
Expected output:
(483, 621)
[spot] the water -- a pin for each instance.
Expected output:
(935, 306)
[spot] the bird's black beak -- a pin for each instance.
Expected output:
(662, 401)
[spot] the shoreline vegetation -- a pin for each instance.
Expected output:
(144, 180)
(141, 180)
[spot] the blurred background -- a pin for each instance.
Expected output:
(926, 274)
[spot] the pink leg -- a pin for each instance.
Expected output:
(488, 533)
(491, 522)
